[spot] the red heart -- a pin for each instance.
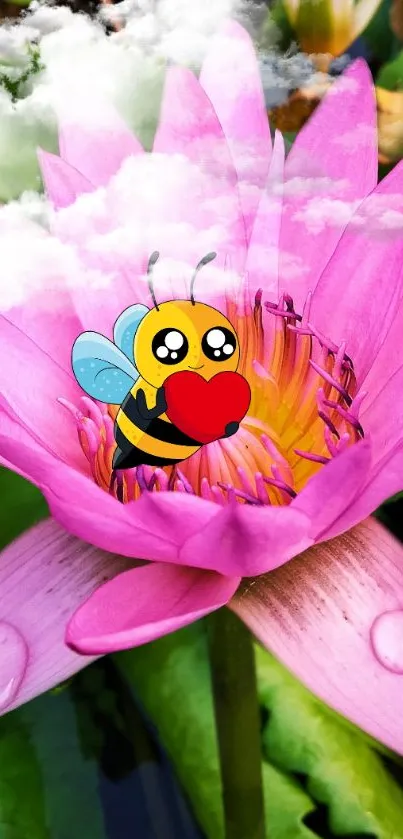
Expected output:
(202, 409)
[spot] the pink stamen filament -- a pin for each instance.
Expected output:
(235, 468)
(239, 493)
(315, 458)
(280, 485)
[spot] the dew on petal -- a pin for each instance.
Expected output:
(387, 640)
(13, 663)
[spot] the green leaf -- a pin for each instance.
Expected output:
(383, 170)
(390, 514)
(22, 808)
(378, 34)
(15, 84)
(286, 805)
(289, 138)
(348, 789)
(342, 771)
(276, 29)
(47, 789)
(390, 75)
(19, 2)
(171, 677)
(397, 497)
(22, 505)
(70, 782)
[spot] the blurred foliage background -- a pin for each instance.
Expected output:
(86, 761)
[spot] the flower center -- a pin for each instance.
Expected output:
(303, 412)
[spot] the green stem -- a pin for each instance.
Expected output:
(237, 718)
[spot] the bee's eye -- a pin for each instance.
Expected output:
(170, 346)
(219, 343)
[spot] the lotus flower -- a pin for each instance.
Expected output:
(329, 26)
(309, 271)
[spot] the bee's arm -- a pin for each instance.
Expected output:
(231, 428)
(151, 413)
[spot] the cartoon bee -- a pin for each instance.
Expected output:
(148, 346)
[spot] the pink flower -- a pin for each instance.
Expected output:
(309, 272)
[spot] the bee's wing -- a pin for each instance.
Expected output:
(102, 369)
(126, 327)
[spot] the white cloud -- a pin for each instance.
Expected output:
(392, 220)
(357, 137)
(345, 85)
(378, 216)
(158, 202)
(306, 186)
(14, 43)
(45, 19)
(36, 264)
(282, 74)
(170, 29)
(292, 266)
(126, 68)
(163, 202)
(30, 205)
(381, 216)
(320, 213)
(175, 29)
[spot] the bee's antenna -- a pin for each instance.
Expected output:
(206, 259)
(151, 262)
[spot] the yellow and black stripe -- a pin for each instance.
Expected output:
(153, 443)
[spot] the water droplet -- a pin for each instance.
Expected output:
(387, 640)
(13, 663)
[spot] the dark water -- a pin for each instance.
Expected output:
(83, 762)
(146, 804)
(139, 794)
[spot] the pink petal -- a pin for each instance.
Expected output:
(189, 126)
(358, 294)
(332, 490)
(387, 361)
(94, 139)
(44, 576)
(104, 281)
(245, 541)
(170, 527)
(383, 422)
(12, 429)
(31, 384)
(145, 603)
(383, 418)
(99, 306)
(263, 252)
(52, 325)
(327, 170)
(385, 480)
(231, 78)
(154, 527)
(35, 296)
(317, 615)
(63, 183)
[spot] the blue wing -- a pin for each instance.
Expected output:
(126, 327)
(102, 369)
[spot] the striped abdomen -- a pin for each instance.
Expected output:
(157, 443)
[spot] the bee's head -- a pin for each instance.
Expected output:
(184, 335)
(181, 335)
